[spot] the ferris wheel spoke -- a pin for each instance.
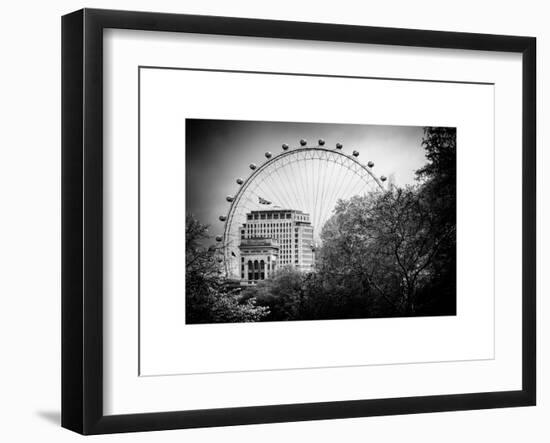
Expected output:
(312, 188)
(345, 183)
(362, 184)
(275, 193)
(312, 183)
(257, 192)
(284, 188)
(292, 186)
(319, 183)
(340, 174)
(298, 183)
(277, 184)
(327, 182)
(348, 188)
(301, 179)
(260, 190)
(355, 184)
(327, 198)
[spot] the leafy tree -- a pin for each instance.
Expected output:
(399, 245)
(438, 178)
(440, 146)
(209, 298)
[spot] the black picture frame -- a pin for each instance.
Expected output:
(82, 220)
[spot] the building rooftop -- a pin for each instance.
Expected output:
(258, 211)
(259, 241)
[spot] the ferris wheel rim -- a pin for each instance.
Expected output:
(257, 170)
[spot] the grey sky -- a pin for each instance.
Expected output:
(219, 151)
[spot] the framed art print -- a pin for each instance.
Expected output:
(270, 221)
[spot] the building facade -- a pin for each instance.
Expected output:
(258, 258)
(279, 238)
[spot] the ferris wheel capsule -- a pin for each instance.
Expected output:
(219, 238)
(252, 166)
(321, 142)
(339, 146)
(229, 198)
(223, 218)
(356, 153)
(383, 178)
(239, 181)
(303, 142)
(370, 164)
(285, 147)
(268, 154)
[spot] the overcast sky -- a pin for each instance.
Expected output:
(219, 151)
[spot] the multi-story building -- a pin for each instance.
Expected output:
(291, 236)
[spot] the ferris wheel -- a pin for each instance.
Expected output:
(307, 178)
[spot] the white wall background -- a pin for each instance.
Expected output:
(30, 219)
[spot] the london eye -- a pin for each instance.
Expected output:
(308, 178)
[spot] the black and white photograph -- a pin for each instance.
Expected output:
(294, 221)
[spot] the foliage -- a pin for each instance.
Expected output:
(209, 298)
(389, 242)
